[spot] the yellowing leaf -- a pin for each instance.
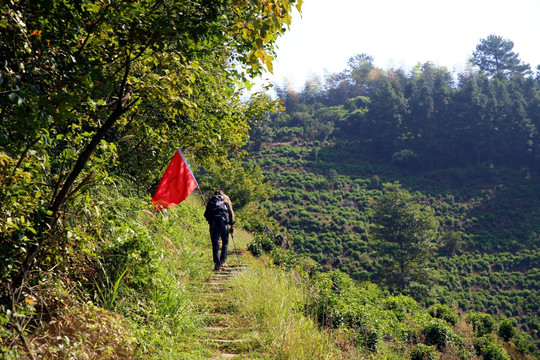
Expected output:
(269, 64)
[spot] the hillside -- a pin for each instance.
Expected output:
(95, 98)
(482, 262)
(151, 295)
(339, 144)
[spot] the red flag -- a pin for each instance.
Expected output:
(176, 184)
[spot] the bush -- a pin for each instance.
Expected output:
(255, 218)
(483, 324)
(437, 333)
(261, 244)
(423, 352)
(400, 305)
(490, 349)
(506, 330)
(288, 259)
(443, 312)
(405, 158)
(369, 338)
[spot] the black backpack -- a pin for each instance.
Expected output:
(217, 208)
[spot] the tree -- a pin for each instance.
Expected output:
(471, 132)
(514, 129)
(438, 127)
(404, 231)
(483, 324)
(494, 55)
(86, 81)
(313, 90)
(506, 329)
(361, 74)
(242, 182)
(288, 95)
(387, 111)
(421, 104)
(428, 93)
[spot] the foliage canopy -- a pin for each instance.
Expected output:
(99, 93)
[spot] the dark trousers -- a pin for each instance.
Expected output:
(219, 229)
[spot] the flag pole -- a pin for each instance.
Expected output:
(236, 250)
(202, 196)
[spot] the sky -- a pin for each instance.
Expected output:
(400, 34)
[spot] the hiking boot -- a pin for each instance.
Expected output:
(224, 264)
(217, 268)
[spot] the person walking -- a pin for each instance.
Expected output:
(220, 217)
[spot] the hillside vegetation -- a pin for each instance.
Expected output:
(147, 296)
(95, 96)
(409, 201)
(460, 149)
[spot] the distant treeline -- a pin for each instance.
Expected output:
(425, 117)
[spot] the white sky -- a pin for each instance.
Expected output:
(400, 34)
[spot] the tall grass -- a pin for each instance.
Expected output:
(269, 299)
(142, 267)
(108, 292)
(162, 312)
(85, 332)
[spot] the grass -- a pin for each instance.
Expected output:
(165, 307)
(268, 299)
(155, 299)
(148, 270)
(85, 332)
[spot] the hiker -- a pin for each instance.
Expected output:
(220, 217)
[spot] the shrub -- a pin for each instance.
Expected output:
(405, 158)
(284, 258)
(437, 333)
(369, 338)
(490, 349)
(261, 244)
(423, 352)
(400, 305)
(444, 312)
(254, 218)
(483, 324)
(506, 330)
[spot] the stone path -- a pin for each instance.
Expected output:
(227, 340)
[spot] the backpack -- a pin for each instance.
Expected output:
(217, 209)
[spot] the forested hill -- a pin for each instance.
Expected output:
(421, 180)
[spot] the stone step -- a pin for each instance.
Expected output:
(225, 356)
(234, 266)
(225, 333)
(230, 346)
(227, 341)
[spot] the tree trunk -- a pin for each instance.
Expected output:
(62, 195)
